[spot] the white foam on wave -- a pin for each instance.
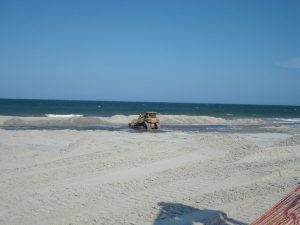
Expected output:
(297, 120)
(287, 120)
(63, 115)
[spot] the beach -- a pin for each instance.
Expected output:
(149, 112)
(69, 176)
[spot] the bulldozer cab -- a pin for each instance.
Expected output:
(150, 114)
(151, 117)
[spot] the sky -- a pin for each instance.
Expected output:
(209, 51)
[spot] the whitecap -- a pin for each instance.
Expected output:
(63, 115)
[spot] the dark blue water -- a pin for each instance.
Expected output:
(17, 107)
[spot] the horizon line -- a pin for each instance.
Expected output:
(210, 103)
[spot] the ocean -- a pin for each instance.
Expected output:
(111, 114)
(20, 107)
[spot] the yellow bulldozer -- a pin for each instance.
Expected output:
(147, 121)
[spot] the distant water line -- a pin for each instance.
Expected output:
(43, 108)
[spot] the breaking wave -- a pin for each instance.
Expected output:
(63, 115)
(287, 120)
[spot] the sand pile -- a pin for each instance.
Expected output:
(57, 122)
(79, 121)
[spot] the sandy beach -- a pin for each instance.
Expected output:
(149, 112)
(64, 177)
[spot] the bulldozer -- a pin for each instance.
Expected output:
(147, 121)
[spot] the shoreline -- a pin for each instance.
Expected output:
(168, 123)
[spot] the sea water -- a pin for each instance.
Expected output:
(18, 107)
(197, 116)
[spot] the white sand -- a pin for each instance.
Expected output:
(115, 177)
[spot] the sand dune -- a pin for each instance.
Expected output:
(67, 120)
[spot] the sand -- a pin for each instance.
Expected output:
(74, 177)
(75, 120)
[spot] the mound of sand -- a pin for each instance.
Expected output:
(120, 120)
(48, 122)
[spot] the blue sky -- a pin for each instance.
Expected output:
(174, 51)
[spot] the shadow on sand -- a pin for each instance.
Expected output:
(179, 214)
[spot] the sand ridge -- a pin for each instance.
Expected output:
(63, 120)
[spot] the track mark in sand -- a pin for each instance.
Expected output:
(136, 172)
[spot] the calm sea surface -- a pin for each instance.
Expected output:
(17, 107)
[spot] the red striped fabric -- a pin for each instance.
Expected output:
(285, 212)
